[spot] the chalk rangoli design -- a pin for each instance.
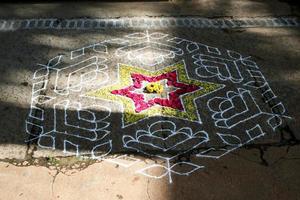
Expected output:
(177, 101)
(154, 94)
(163, 139)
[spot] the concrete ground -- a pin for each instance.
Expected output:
(63, 136)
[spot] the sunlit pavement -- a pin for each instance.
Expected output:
(151, 100)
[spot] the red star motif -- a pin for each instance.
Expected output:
(173, 100)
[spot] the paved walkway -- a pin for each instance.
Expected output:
(151, 103)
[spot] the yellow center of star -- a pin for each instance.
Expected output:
(154, 88)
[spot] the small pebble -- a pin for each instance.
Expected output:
(25, 163)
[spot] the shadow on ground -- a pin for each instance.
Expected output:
(275, 50)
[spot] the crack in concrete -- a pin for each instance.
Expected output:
(262, 153)
(148, 189)
(263, 148)
(53, 181)
(30, 151)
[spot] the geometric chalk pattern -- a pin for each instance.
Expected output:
(177, 102)
(95, 101)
